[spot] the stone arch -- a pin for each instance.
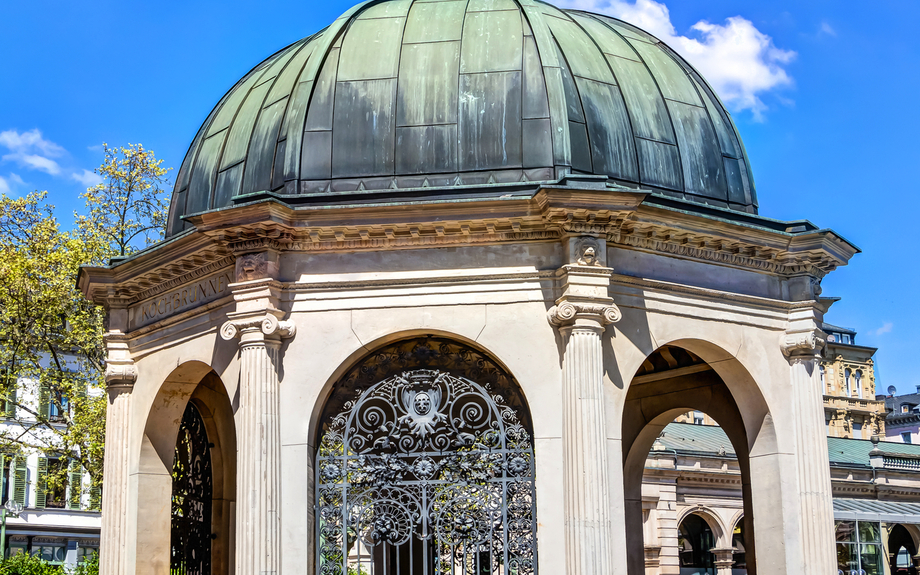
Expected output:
(902, 535)
(407, 354)
(369, 348)
(715, 382)
(194, 382)
(710, 517)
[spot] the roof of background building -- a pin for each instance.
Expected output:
(709, 440)
(404, 99)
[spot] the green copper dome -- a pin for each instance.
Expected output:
(452, 98)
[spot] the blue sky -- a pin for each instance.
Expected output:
(820, 94)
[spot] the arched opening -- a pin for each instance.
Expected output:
(678, 381)
(695, 541)
(192, 498)
(190, 422)
(901, 551)
(425, 464)
(739, 555)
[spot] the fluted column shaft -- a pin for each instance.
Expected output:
(586, 482)
(258, 541)
(258, 502)
(120, 376)
(813, 475)
(114, 497)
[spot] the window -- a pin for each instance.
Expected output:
(846, 381)
(905, 437)
(858, 430)
(8, 405)
(698, 417)
(905, 408)
(859, 390)
(859, 547)
(50, 494)
(824, 386)
(846, 338)
(54, 553)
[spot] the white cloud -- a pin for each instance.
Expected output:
(7, 184)
(88, 178)
(827, 29)
(886, 328)
(31, 150)
(738, 60)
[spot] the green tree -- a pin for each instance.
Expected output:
(52, 360)
(130, 205)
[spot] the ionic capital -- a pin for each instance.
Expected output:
(803, 344)
(268, 324)
(120, 370)
(568, 313)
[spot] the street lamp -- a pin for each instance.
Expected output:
(13, 508)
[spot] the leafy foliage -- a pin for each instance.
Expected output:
(25, 564)
(52, 360)
(129, 205)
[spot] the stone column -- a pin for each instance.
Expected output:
(581, 315)
(258, 517)
(724, 559)
(120, 376)
(803, 348)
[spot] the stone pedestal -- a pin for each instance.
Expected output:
(258, 517)
(120, 376)
(581, 315)
(803, 349)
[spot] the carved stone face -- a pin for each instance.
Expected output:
(590, 256)
(252, 267)
(422, 403)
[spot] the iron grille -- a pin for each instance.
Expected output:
(425, 473)
(192, 495)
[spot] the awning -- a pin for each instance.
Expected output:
(874, 510)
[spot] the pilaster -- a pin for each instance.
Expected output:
(803, 344)
(120, 376)
(581, 314)
(258, 325)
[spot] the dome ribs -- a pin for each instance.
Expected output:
(401, 99)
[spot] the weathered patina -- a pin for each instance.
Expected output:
(402, 99)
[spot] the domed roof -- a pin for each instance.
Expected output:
(444, 98)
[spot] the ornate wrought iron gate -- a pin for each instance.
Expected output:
(192, 494)
(426, 472)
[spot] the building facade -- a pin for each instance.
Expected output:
(435, 280)
(61, 524)
(693, 501)
(851, 408)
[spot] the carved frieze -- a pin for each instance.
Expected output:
(180, 299)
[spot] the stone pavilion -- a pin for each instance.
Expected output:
(435, 279)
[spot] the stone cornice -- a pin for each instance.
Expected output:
(155, 271)
(615, 214)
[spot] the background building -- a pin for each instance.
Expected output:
(848, 373)
(60, 525)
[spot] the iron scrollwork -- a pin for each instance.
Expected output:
(192, 497)
(429, 472)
